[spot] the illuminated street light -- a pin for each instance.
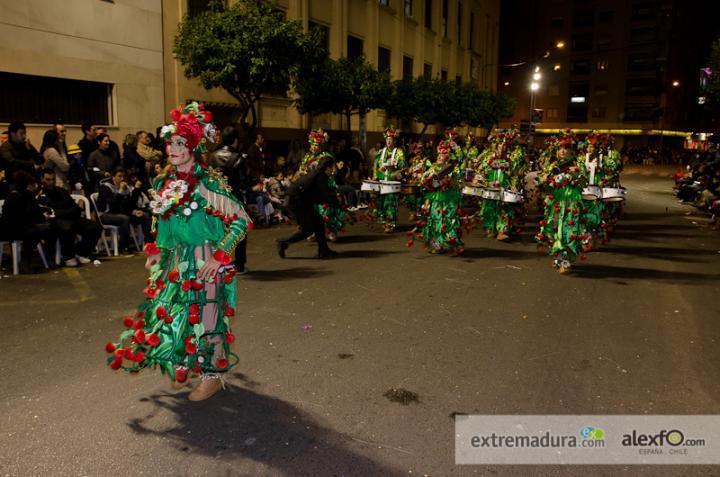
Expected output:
(536, 76)
(534, 86)
(560, 44)
(556, 67)
(507, 83)
(675, 83)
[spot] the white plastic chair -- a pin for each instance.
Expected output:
(15, 250)
(114, 234)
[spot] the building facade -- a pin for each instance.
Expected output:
(73, 61)
(628, 66)
(451, 39)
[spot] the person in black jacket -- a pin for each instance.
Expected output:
(306, 192)
(69, 222)
(23, 218)
(17, 154)
(118, 205)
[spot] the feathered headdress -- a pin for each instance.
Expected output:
(599, 140)
(566, 139)
(443, 147)
(318, 137)
(192, 123)
(390, 131)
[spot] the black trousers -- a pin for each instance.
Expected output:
(241, 254)
(88, 231)
(309, 222)
(31, 235)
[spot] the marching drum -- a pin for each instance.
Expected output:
(511, 196)
(613, 194)
(592, 192)
(469, 189)
(370, 186)
(390, 187)
(491, 194)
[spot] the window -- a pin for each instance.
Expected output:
(557, 22)
(577, 113)
(443, 75)
(458, 80)
(600, 90)
(407, 68)
(428, 14)
(606, 16)
(445, 18)
(580, 67)
(324, 34)
(643, 35)
(582, 42)
(409, 8)
(641, 87)
(645, 10)
(459, 23)
(46, 100)
(577, 109)
(196, 7)
(427, 71)
(384, 3)
(598, 113)
(639, 112)
(551, 113)
(601, 65)
(471, 40)
(641, 62)
(383, 59)
(354, 47)
(604, 42)
(584, 18)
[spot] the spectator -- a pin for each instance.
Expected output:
(102, 161)
(23, 218)
(69, 222)
(114, 148)
(255, 161)
(62, 139)
(345, 189)
(78, 175)
(54, 160)
(4, 186)
(132, 161)
(118, 205)
(3, 137)
(295, 155)
(227, 159)
(277, 187)
(258, 196)
(17, 154)
(356, 156)
(149, 155)
(87, 143)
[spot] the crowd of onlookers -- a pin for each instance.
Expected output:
(698, 182)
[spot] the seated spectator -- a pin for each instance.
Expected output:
(4, 185)
(131, 160)
(17, 154)
(277, 188)
(87, 143)
(348, 192)
(54, 160)
(78, 175)
(69, 222)
(118, 205)
(102, 161)
(23, 218)
(149, 155)
(62, 138)
(258, 196)
(114, 148)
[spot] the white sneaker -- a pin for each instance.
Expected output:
(71, 263)
(352, 209)
(362, 206)
(83, 260)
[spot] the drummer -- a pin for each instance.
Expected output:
(501, 168)
(590, 164)
(413, 178)
(388, 166)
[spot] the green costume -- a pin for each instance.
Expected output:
(502, 167)
(388, 166)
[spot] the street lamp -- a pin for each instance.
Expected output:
(560, 45)
(675, 83)
(534, 86)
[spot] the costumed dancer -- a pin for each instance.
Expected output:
(388, 166)
(612, 166)
(441, 221)
(413, 179)
(501, 169)
(591, 157)
(332, 214)
(183, 325)
(563, 228)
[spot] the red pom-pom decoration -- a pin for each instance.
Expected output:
(128, 322)
(116, 363)
(222, 363)
(153, 339)
(230, 338)
(194, 309)
(151, 249)
(197, 286)
(190, 348)
(109, 347)
(118, 353)
(181, 375)
(194, 319)
(140, 336)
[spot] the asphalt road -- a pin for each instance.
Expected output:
(635, 330)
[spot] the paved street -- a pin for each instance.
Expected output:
(635, 330)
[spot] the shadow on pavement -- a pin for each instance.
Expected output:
(362, 253)
(284, 274)
(362, 238)
(671, 254)
(239, 422)
(477, 253)
(606, 271)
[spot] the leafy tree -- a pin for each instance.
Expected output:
(248, 49)
(712, 87)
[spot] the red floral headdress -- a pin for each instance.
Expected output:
(566, 139)
(318, 137)
(390, 131)
(443, 147)
(192, 123)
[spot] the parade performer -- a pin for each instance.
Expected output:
(183, 325)
(501, 169)
(612, 167)
(591, 160)
(413, 179)
(388, 166)
(333, 214)
(441, 221)
(563, 228)
(471, 153)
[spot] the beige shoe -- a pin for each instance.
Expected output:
(502, 236)
(563, 270)
(210, 384)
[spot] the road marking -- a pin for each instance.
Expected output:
(80, 285)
